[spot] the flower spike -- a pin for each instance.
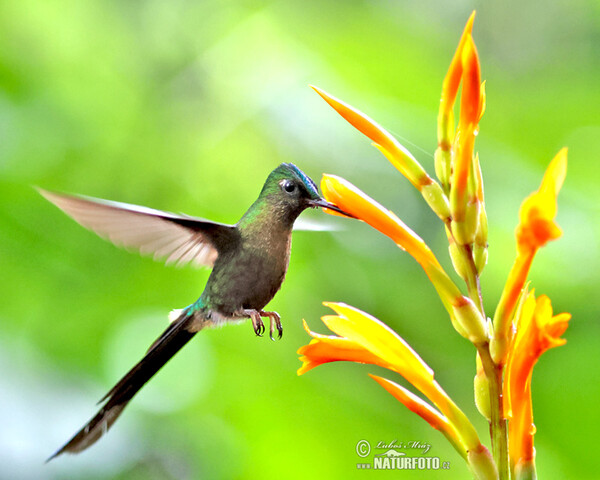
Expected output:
(523, 328)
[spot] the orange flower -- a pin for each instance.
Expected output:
(364, 339)
(329, 348)
(537, 330)
(465, 317)
(342, 193)
(399, 156)
(536, 228)
(536, 216)
(360, 333)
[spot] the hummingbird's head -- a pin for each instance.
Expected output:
(294, 191)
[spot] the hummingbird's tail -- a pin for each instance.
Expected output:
(179, 332)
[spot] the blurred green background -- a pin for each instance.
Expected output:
(187, 106)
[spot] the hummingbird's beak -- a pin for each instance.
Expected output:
(322, 203)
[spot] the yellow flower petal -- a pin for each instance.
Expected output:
(328, 348)
(379, 339)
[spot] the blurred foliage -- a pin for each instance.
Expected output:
(187, 106)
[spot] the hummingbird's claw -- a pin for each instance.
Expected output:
(279, 330)
(257, 323)
(259, 328)
(274, 322)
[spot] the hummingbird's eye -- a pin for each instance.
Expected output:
(288, 186)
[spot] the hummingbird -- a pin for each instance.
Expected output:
(249, 261)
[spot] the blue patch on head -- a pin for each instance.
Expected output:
(305, 179)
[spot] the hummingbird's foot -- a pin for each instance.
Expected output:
(257, 323)
(259, 326)
(274, 322)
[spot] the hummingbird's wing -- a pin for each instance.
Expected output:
(178, 239)
(312, 225)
